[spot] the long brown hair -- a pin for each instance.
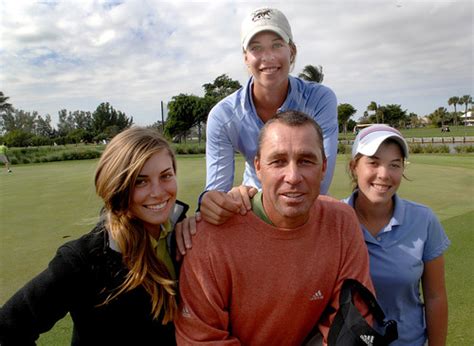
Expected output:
(115, 177)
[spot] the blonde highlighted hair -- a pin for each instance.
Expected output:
(115, 177)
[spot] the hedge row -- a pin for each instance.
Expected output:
(416, 148)
(464, 149)
(182, 149)
(443, 149)
(53, 153)
(78, 152)
(86, 152)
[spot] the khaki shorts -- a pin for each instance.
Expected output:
(3, 158)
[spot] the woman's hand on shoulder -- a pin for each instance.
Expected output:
(184, 231)
(217, 206)
(243, 194)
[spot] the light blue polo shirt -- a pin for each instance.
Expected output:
(233, 126)
(397, 255)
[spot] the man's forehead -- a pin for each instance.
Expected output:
(278, 152)
(282, 139)
(276, 132)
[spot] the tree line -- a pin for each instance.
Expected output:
(187, 115)
(20, 128)
(394, 115)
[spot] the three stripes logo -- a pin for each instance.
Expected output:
(367, 339)
(317, 296)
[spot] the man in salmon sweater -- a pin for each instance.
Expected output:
(271, 276)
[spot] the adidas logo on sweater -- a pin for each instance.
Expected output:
(317, 296)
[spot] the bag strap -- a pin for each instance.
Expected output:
(349, 286)
(348, 311)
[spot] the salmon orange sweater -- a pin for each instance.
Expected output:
(247, 282)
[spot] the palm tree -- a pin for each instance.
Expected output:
(378, 111)
(466, 100)
(453, 101)
(441, 113)
(312, 73)
(344, 112)
(4, 105)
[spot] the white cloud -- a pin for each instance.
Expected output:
(134, 54)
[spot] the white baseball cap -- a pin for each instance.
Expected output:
(265, 19)
(368, 141)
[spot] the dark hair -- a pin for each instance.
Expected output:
(292, 119)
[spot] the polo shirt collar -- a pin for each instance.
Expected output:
(249, 106)
(398, 210)
(166, 228)
(257, 207)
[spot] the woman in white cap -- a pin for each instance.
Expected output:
(234, 123)
(405, 239)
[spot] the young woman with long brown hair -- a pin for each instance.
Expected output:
(118, 282)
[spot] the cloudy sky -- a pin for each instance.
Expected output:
(76, 54)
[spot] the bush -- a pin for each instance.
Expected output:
(438, 149)
(463, 149)
(183, 149)
(54, 153)
(51, 153)
(37, 141)
(343, 148)
(17, 138)
(417, 148)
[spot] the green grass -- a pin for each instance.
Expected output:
(44, 205)
(456, 131)
(460, 278)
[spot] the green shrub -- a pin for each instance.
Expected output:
(416, 148)
(180, 150)
(41, 140)
(17, 138)
(183, 149)
(343, 148)
(438, 149)
(463, 149)
(54, 153)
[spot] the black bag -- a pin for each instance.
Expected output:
(350, 328)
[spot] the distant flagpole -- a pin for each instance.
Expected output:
(162, 118)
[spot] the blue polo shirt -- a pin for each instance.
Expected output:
(397, 255)
(233, 126)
